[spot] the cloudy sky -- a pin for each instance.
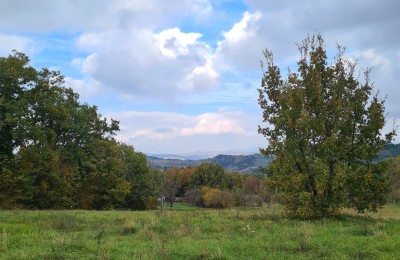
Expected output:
(181, 76)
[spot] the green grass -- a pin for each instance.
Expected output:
(191, 233)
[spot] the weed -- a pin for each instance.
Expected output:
(64, 223)
(237, 214)
(204, 254)
(5, 240)
(162, 251)
(99, 237)
(129, 231)
(363, 230)
(58, 248)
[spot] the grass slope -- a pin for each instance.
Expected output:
(191, 233)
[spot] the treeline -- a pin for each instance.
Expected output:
(209, 185)
(58, 153)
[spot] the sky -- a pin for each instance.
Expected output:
(182, 76)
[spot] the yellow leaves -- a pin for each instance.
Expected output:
(216, 198)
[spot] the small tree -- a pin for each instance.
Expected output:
(170, 185)
(323, 132)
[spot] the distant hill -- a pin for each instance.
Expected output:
(241, 163)
(391, 150)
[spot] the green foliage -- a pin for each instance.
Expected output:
(209, 174)
(58, 153)
(170, 184)
(323, 132)
(144, 183)
(393, 173)
(252, 193)
(216, 198)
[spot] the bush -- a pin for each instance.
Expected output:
(216, 198)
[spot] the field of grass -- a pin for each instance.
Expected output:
(191, 233)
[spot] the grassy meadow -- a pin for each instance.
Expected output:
(186, 232)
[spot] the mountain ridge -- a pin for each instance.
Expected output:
(243, 163)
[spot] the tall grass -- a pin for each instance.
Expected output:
(191, 233)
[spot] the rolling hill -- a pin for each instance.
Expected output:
(240, 163)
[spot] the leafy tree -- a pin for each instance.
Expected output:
(144, 182)
(323, 131)
(235, 180)
(184, 177)
(104, 185)
(170, 185)
(58, 153)
(15, 76)
(209, 174)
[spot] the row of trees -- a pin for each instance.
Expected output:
(58, 153)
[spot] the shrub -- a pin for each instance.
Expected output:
(216, 198)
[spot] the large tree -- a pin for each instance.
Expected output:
(209, 174)
(56, 152)
(323, 128)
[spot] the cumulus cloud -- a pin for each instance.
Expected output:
(212, 123)
(244, 29)
(144, 63)
(173, 43)
(86, 87)
(242, 42)
(147, 51)
(162, 130)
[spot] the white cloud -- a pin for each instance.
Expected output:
(138, 51)
(173, 43)
(163, 131)
(369, 58)
(201, 77)
(212, 123)
(146, 64)
(243, 30)
(242, 46)
(384, 75)
(86, 87)
(15, 42)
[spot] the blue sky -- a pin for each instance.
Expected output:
(182, 76)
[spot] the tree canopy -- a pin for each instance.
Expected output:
(209, 174)
(56, 152)
(323, 127)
